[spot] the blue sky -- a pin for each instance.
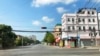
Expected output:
(33, 14)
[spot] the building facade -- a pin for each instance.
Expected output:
(79, 28)
(57, 33)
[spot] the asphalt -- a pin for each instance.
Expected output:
(43, 50)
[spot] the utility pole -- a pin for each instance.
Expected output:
(78, 38)
(98, 25)
(92, 40)
(22, 41)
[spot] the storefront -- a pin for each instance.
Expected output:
(70, 42)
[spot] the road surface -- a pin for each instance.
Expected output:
(42, 50)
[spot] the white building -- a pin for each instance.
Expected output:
(80, 24)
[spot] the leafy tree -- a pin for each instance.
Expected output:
(18, 40)
(26, 40)
(45, 38)
(7, 36)
(49, 38)
(37, 42)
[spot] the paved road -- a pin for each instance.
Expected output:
(41, 50)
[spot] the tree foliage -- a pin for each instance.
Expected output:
(26, 40)
(7, 36)
(49, 38)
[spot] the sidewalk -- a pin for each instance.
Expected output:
(92, 47)
(87, 47)
(58, 47)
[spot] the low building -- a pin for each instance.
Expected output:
(57, 34)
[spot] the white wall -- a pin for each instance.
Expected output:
(85, 16)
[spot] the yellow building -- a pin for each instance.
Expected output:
(57, 33)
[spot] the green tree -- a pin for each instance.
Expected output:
(26, 40)
(7, 36)
(49, 38)
(37, 42)
(18, 40)
(45, 38)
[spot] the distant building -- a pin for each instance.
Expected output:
(79, 26)
(33, 37)
(57, 33)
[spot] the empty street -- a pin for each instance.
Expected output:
(43, 50)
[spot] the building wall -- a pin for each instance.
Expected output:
(76, 22)
(73, 18)
(86, 42)
(57, 28)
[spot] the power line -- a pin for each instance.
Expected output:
(50, 31)
(86, 4)
(94, 5)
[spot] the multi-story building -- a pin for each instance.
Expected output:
(99, 21)
(58, 29)
(79, 27)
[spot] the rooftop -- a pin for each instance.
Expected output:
(58, 25)
(80, 10)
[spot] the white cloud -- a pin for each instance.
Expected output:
(47, 19)
(61, 10)
(38, 3)
(36, 23)
(97, 1)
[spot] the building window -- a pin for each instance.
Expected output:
(73, 28)
(79, 20)
(92, 12)
(90, 34)
(90, 28)
(83, 20)
(93, 20)
(88, 12)
(68, 19)
(89, 20)
(69, 28)
(72, 19)
(79, 28)
(94, 28)
(83, 28)
(60, 29)
(59, 33)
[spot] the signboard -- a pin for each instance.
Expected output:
(57, 39)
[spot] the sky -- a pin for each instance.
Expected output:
(34, 14)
